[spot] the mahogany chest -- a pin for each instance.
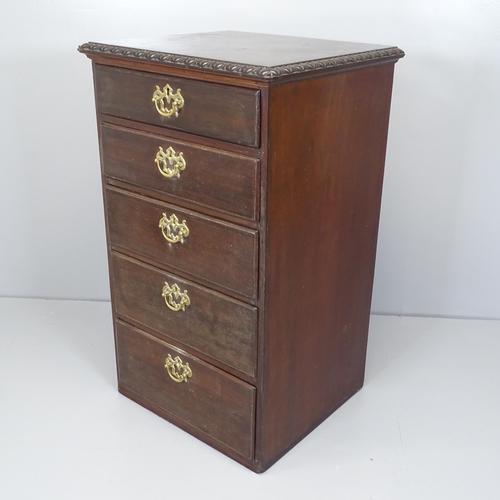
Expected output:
(242, 177)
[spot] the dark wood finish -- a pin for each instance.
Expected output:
(213, 323)
(322, 224)
(219, 111)
(182, 71)
(179, 135)
(211, 178)
(214, 402)
(219, 252)
(294, 242)
(251, 55)
(188, 204)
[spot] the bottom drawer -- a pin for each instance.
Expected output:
(210, 400)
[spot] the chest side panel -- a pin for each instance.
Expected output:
(327, 140)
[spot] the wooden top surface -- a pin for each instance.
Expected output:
(244, 54)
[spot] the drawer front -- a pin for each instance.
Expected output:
(212, 110)
(209, 322)
(206, 176)
(219, 252)
(212, 401)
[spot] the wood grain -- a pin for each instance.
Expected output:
(251, 55)
(214, 402)
(217, 251)
(323, 202)
(213, 110)
(214, 324)
(211, 178)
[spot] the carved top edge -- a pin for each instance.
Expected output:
(242, 70)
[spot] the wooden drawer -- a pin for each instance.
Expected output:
(217, 404)
(216, 251)
(212, 323)
(209, 177)
(220, 111)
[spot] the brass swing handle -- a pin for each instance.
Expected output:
(174, 298)
(169, 163)
(173, 230)
(167, 97)
(178, 371)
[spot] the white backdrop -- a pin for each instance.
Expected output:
(439, 239)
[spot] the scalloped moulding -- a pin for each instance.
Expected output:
(283, 143)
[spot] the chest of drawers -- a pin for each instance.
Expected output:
(242, 177)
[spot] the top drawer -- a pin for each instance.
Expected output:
(220, 111)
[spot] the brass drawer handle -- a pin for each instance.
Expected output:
(177, 370)
(173, 230)
(174, 298)
(166, 97)
(169, 163)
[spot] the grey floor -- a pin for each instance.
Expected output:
(425, 426)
